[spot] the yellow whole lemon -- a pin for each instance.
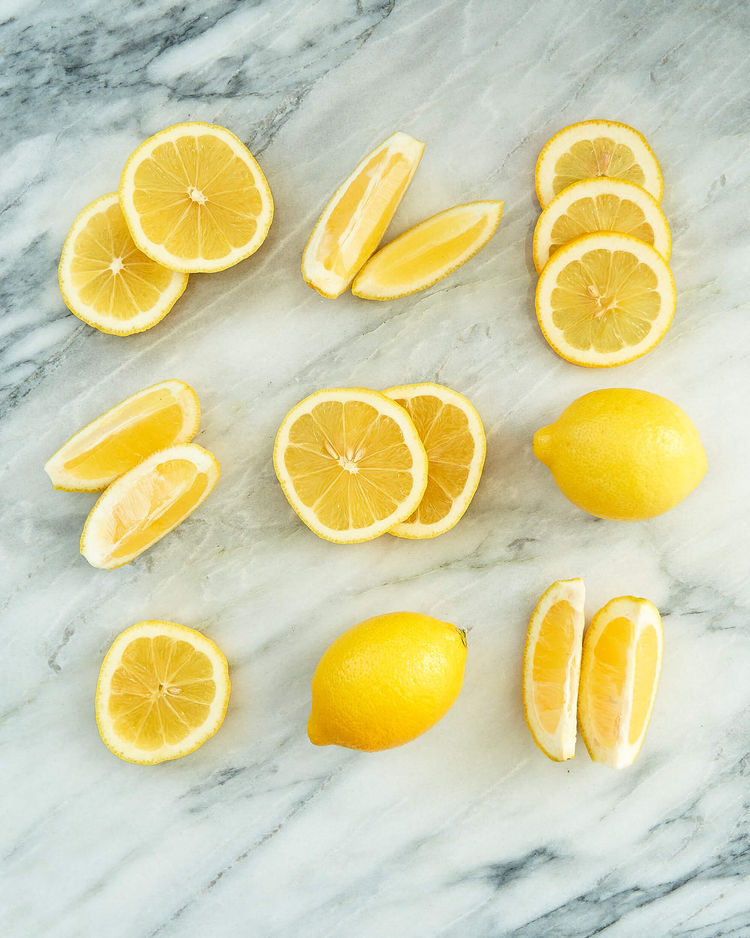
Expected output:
(623, 454)
(386, 681)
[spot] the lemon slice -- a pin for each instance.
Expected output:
(351, 463)
(106, 281)
(162, 415)
(428, 252)
(195, 199)
(551, 668)
(163, 690)
(600, 205)
(596, 148)
(355, 219)
(146, 503)
(605, 299)
(622, 652)
(453, 437)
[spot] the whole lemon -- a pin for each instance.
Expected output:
(623, 454)
(385, 681)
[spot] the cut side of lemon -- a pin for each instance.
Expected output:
(195, 198)
(159, 416)
(355, 219)
(146, 503)
(106, 281)
(428, 252)
(453, 437)
(605, 299)
(600, 205)
(622, 654)
(351, 463)
(596, 148)
(551, 668)
(163, 690)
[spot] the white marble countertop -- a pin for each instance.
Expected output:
(469, 832)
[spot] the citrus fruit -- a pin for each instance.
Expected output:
(195, 199)
(601, 204)
(596, 148)
(146, 503)
(106, 281)
(623, 454)
(453, 437)
(622, 652)
(605, 299)
(159, 416)
(386, 681)
(551, 668)
(351, 463)
(428, 252)
(352, 224)
(163, 690)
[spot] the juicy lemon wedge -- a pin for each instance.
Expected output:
(352, 224)
(453, 437)
(622, 653)
(106, 281)
(163, 690)
(602, 204)
(551, 668)
(351, 463)
(159, 416)
(195, 198)
(605, 299)
(146, 503)
(428, 252)
(596, 148)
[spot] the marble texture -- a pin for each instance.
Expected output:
(469, 832)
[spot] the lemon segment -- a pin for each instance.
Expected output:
(551, 668)
(163, 690)
(453, 437)
(195, 199)
(154, 418)
(622, 655)
(357, 215)
(146, 503)
(428, 252)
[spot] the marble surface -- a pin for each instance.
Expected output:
(469, 832)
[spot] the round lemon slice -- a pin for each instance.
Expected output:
(605, 299)
(351, 463)
(551, 668)
(106, 281)
(163, 690)
(195, 198)
(622, 654)
(453, 437)
(159, 416)
(596, 148)
(146, 503)
(600, 205)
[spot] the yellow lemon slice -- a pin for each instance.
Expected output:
(453, 437)
(428, 252)
(355, 219)
(351, 463)
(622, 652)
(162, 415)
(551, 668)
(600, 205)
(106, 281)
(195, 198)
(605, 299)
(146, 503)
(596, 148)
(163, 690)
